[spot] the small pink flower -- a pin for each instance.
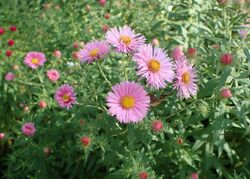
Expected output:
(9, 76)
(226, 93)
(155, 42)
(226, 59)
(157, 126)
(53, 75)
(28, 129)
(65, 96)
(34, 59)
(194, 175)
(177, 53)
(57, 54)
(2, 136)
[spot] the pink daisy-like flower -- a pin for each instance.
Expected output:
(185, 79)
(124, 39)
(53, 75)
(93, 51)
(28, 129)
(9, 76)
(154, 65)
(65, 96)
(34, 59)
(128, 101)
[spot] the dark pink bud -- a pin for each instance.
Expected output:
(42, 104)
(102, 2)
(192, 52)
(143, 175)
(226, 59)
(85, 140)
(226, 93)
(157, 126)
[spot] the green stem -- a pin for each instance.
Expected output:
(103, 74)
(28, 83)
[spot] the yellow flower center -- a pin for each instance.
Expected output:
(34, 61)
(154, 65)
(94, 52)
(125, 39)
(66, 98)
(185, 78)
(128, 102)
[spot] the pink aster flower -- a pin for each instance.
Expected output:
(154, 65)
(93, 51)
(65, 96)
(128, 101)
(124, 39)
(28, 129)
(53, 75)
(34, 59)
(185, 79)
(9, 76)
(177, 53)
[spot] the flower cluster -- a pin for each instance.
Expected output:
(128, 101)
